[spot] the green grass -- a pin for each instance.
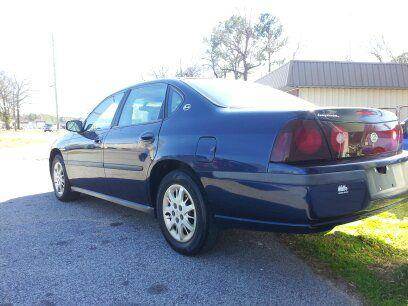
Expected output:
(370, 254)
(11, 139)
(16, 142)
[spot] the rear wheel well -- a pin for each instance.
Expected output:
(161, 169)
(54, 152)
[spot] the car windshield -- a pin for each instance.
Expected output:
(241, 94)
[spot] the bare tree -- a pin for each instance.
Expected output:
(6, 105)
(161, 72)
(213, 56)
(191, 71)
(20, 92)
(241, 45)
(381, 50)
(13, 94)
(401, 59)
(238, 45)
(296, 51)
(270, 31)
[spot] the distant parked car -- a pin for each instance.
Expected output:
(207, 154)
(405, 129)
(48, 127)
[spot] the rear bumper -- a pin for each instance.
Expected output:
(303, 200)
(301, 228)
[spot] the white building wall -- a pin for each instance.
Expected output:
(349, 97)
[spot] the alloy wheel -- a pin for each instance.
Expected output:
(59, 178)
(179, 213)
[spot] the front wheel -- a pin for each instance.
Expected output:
(60, 182)
(184, 218)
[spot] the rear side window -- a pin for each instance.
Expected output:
(175, 99)
(143, 104)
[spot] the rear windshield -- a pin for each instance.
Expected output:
(241, 94)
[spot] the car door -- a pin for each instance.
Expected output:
(131, 144)
(85, 155)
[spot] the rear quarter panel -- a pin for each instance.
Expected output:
(244, 143)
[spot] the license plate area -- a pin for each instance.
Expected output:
(387, 180)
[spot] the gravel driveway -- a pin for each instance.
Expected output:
(91, 251)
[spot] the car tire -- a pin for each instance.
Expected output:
(60, 181)
(185, 220)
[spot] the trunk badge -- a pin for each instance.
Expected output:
(342, 189)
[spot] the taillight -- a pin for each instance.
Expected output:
(391, 139)
(347, 140)
(298, 141)
(339, 140)
(309, 140)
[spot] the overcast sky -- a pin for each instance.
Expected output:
(103, 46)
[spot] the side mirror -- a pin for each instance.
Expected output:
(74, 126)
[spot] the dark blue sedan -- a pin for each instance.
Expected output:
(202, 155)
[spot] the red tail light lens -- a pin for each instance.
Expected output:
(348, 140)
(339, 140)
(387, 140)
(305, 140)
(300, 140)
(308, 139)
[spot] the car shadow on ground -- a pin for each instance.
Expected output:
(40, 207)
(103, 245)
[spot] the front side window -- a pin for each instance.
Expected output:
(102, 116)
(118, 97)
(175, 99)
(143, 104)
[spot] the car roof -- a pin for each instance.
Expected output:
(166, 80)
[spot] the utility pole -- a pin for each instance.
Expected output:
(55, 78)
